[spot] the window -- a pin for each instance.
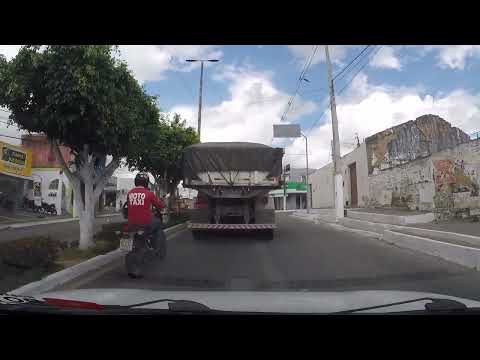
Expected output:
(53, 185)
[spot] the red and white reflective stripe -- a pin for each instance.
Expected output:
(231, 226)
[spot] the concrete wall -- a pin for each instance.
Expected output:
(412, 140)
(447, 182)
(408, 186)
(322, 180)
(456, 175)
(322, 187)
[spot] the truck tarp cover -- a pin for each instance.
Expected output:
(231, 156)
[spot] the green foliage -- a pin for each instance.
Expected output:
(79, 95)
(31, 252)
(161, 153)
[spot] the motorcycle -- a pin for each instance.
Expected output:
(138, 247)
(48, 208)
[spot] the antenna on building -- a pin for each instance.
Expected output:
(358, 140)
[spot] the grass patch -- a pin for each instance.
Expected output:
(74, 255)
(31, 259)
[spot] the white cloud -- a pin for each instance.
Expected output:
(368, 109)
(149, 62)
(386, 59)
(254, 105)
(303, 52)
(11, 131)
(453, 56)
(9, 51)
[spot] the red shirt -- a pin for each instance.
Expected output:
(140, 201)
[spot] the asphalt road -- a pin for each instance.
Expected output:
(67, 231)
(303, 256)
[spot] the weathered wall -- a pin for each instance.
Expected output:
(410, 141)
(322, 180)
(322, 187)
(457, 178)
(407, 186)
(446, 182)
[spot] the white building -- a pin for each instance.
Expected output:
(355, 181)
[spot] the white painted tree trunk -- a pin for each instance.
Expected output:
(87, 215)
(85, 208)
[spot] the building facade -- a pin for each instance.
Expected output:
(15, 173)
(423, 164)
(355, 181)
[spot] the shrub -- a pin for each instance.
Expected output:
(31, 252)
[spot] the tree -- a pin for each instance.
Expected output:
(162, 156)
(82, 97)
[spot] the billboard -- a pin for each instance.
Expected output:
(15, 160)
(286, 131)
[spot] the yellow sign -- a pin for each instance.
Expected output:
(15, 160)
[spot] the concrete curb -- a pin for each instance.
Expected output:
(74, 272)
(458, 254)
(391, 219)
(46, 222)
(439, 235)
(463, 255)
(355, 231)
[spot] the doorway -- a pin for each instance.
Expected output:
(353, 185)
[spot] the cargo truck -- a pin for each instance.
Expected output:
(233, 180)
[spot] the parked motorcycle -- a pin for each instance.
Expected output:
(47, 208)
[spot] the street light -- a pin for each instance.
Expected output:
(200, 91)
(293, 131)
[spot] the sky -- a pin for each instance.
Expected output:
(249, 89)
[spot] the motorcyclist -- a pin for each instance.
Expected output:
(139, 203)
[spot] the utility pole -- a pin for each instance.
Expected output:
(336, 143)
(306, 177)
(199, 125)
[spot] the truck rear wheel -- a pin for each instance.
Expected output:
(268, 234)
(198, 235)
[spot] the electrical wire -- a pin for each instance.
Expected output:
(360, 69)
(351, 62)
(348, 83)
(299, 83)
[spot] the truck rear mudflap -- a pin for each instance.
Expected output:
(200, 226)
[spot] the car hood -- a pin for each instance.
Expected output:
(261, 301)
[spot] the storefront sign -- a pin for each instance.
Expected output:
(15, 160)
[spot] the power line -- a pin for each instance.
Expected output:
(360, 69)
(299, 83)
(351, 62)
(349, 82)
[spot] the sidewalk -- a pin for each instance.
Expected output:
(455, 241)
(461, 227)
(454, 226)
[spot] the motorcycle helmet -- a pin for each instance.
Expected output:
(142, 180)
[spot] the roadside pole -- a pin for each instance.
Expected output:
(339, 209)
(199, 119)
(306, 177)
